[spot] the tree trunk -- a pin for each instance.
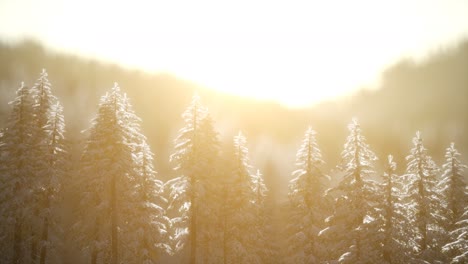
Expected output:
(45, 230)
(17, 242)
(193, 230)
(34, 239)
(193, 213)
(387, 254)
(422, 212)
(114, 231)
(95, 251)
(225, 230)
(17, 252)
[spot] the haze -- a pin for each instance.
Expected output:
(293, 52)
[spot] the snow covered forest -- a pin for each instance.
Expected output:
(109, 204)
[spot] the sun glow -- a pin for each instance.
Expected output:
(294, 52)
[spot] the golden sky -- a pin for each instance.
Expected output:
(294, 52)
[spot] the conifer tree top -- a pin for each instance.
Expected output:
(43, 81)
(452, 160)
(357, 153)
(242, 152)
(419, 159)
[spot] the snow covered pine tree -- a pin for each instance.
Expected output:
(307, 204)
(55, 155)
(118, 184)
(16, 168)
(50, 168)
(393, 219)
(423, 203)
(454, 189)
(264, 244)
(352, 234)
(243, 231)
(195, 156)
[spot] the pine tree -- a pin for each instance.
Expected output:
(146, 229)
(453, 185)
(118, 185)
(210, 235)
(44, 101)
(352, 233)
(55, 156)
(240, 226)
(49, 166)
(147, 226)
(195, 156)
(178, 209)
(423, 203)
(16, 171)
(457, 248)
(264, 244)
(105, 157)
(306, 203)
(393, 215)
(454, 189)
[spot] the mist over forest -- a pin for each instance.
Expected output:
(282, 185)
(428, 95)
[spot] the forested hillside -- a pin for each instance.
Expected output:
(428, 95)
(97, 196)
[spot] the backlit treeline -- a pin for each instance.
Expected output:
(215, 210)
(33, 163)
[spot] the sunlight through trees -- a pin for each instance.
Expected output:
(112, 206)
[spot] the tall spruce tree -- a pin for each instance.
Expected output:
(144, 236)
(195, 156)
(119, 186)
(454, 189)
(241, 225)
(307, 204)
(423, 203)
(264, 242)
(393, 215)
(210, 235)
(352, 234)
(147, 239)
(49, 169)
(453, 186)
(55, 158)
(16, 168)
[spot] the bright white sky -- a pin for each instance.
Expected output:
(295, 52)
